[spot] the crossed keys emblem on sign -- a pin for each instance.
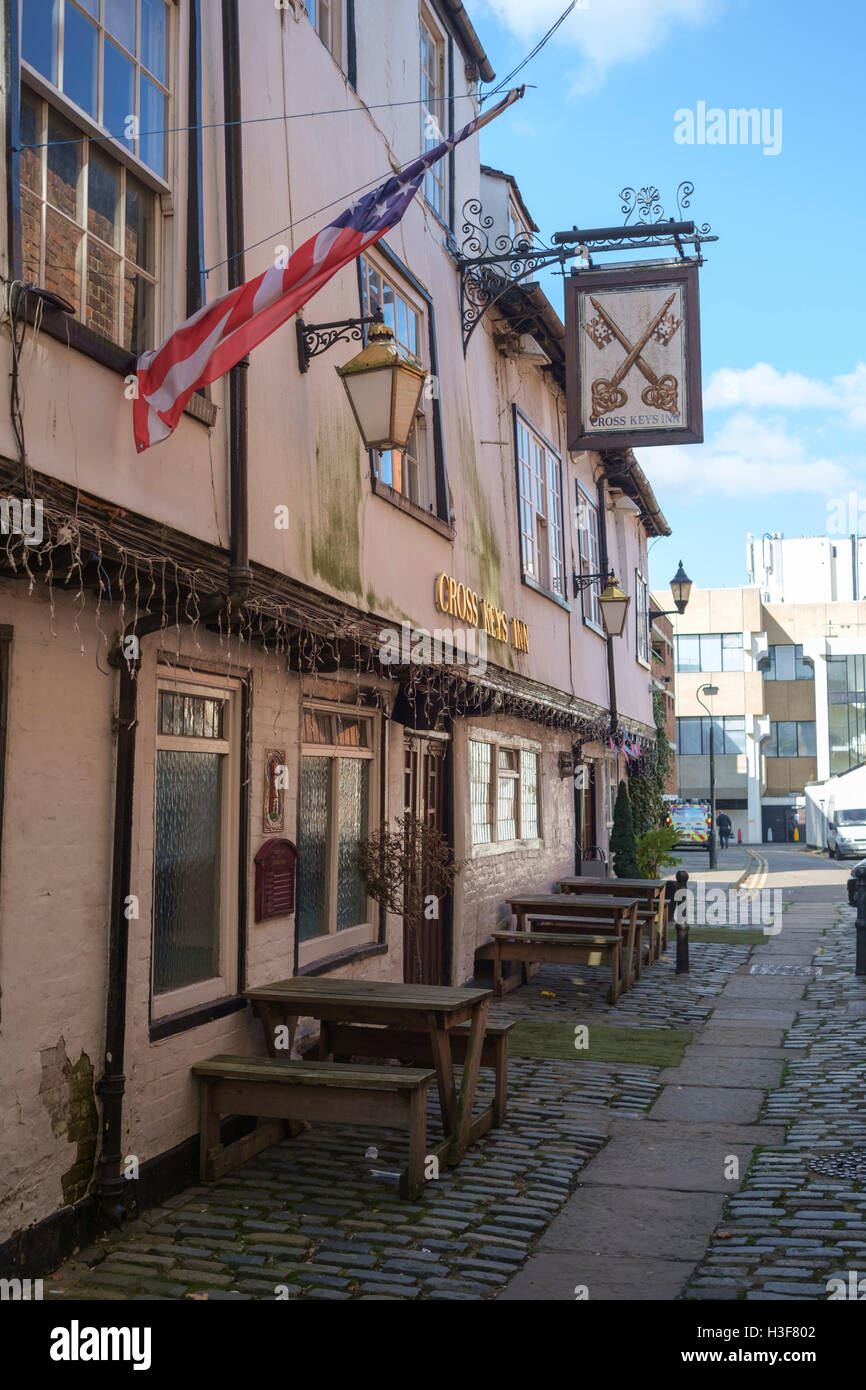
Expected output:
(608, 395)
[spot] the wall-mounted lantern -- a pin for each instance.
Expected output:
(613, 602)
(384, 384)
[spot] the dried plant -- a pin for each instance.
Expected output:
(404, 868)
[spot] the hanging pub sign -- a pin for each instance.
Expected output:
(633, 357)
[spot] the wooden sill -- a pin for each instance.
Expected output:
(72, 333)
(322, 967)
(390, 494)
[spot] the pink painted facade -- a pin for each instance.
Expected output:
(342, 551)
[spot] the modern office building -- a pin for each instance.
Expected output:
(786, 655)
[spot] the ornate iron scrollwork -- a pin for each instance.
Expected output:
(488, 270)
(314, 338)
(489, 265)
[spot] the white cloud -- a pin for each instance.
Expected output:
(746, 458)
(763, 387)
(606, 32)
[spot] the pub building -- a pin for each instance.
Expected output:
(197, 725)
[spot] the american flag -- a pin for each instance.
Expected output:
(215, 338)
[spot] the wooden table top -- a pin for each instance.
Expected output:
(309, 992)
(561, 902)
(614, 886)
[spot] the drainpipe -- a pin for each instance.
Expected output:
(605, 569)
(240, 574)
(111, 1189)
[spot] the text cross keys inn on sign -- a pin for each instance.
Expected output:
(607, 395)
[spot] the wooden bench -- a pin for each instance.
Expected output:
(347, 1040)
(577, 948)
(276, 1090)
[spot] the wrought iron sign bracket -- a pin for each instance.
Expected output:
(314, 338)
(488, 268)
(580, 582)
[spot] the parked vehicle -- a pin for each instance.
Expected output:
(846, 827)
(692, 822)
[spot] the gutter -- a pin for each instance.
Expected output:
(112, 1191)
(623, 470)
(468, 39)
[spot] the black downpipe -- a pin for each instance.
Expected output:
(112, 1191)
(605, 569)
(240, 575)
(12, 88)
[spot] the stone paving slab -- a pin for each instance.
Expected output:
(699, 1104)
(791, 1229)
(705, 1066)
(726, 1032)
(767, 989)
(601, 1220)
(676, 1155)
(554, 1277)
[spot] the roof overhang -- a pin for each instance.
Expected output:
(467, 38)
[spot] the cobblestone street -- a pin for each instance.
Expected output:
(772, 1076)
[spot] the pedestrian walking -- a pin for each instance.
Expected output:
(725, 828)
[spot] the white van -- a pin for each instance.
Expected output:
(846, 824)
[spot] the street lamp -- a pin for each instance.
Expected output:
(711, 690)
(612, 600)
(384, 384)
(681, 588)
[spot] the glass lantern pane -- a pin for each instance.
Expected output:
(187, 869)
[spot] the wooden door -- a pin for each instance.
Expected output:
(424, 794)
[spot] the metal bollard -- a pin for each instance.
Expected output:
(859, 876)
(680, 903)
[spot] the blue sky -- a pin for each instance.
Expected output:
(783, 292)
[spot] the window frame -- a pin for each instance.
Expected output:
(507, 743)
(423, 461)
(341, 7)
(439, 516)
(230, 691)
(86, 236)
(721, 721)
(436, 177)
(160, 186)
(702, 668)
(589, 538)
(551, 519)
(641, 621)
(799, 664)
(771, 747)
(332, 941)
(76, 115)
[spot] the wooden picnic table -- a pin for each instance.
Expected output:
(650, 890)
(435, 1009)
(620, 912)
